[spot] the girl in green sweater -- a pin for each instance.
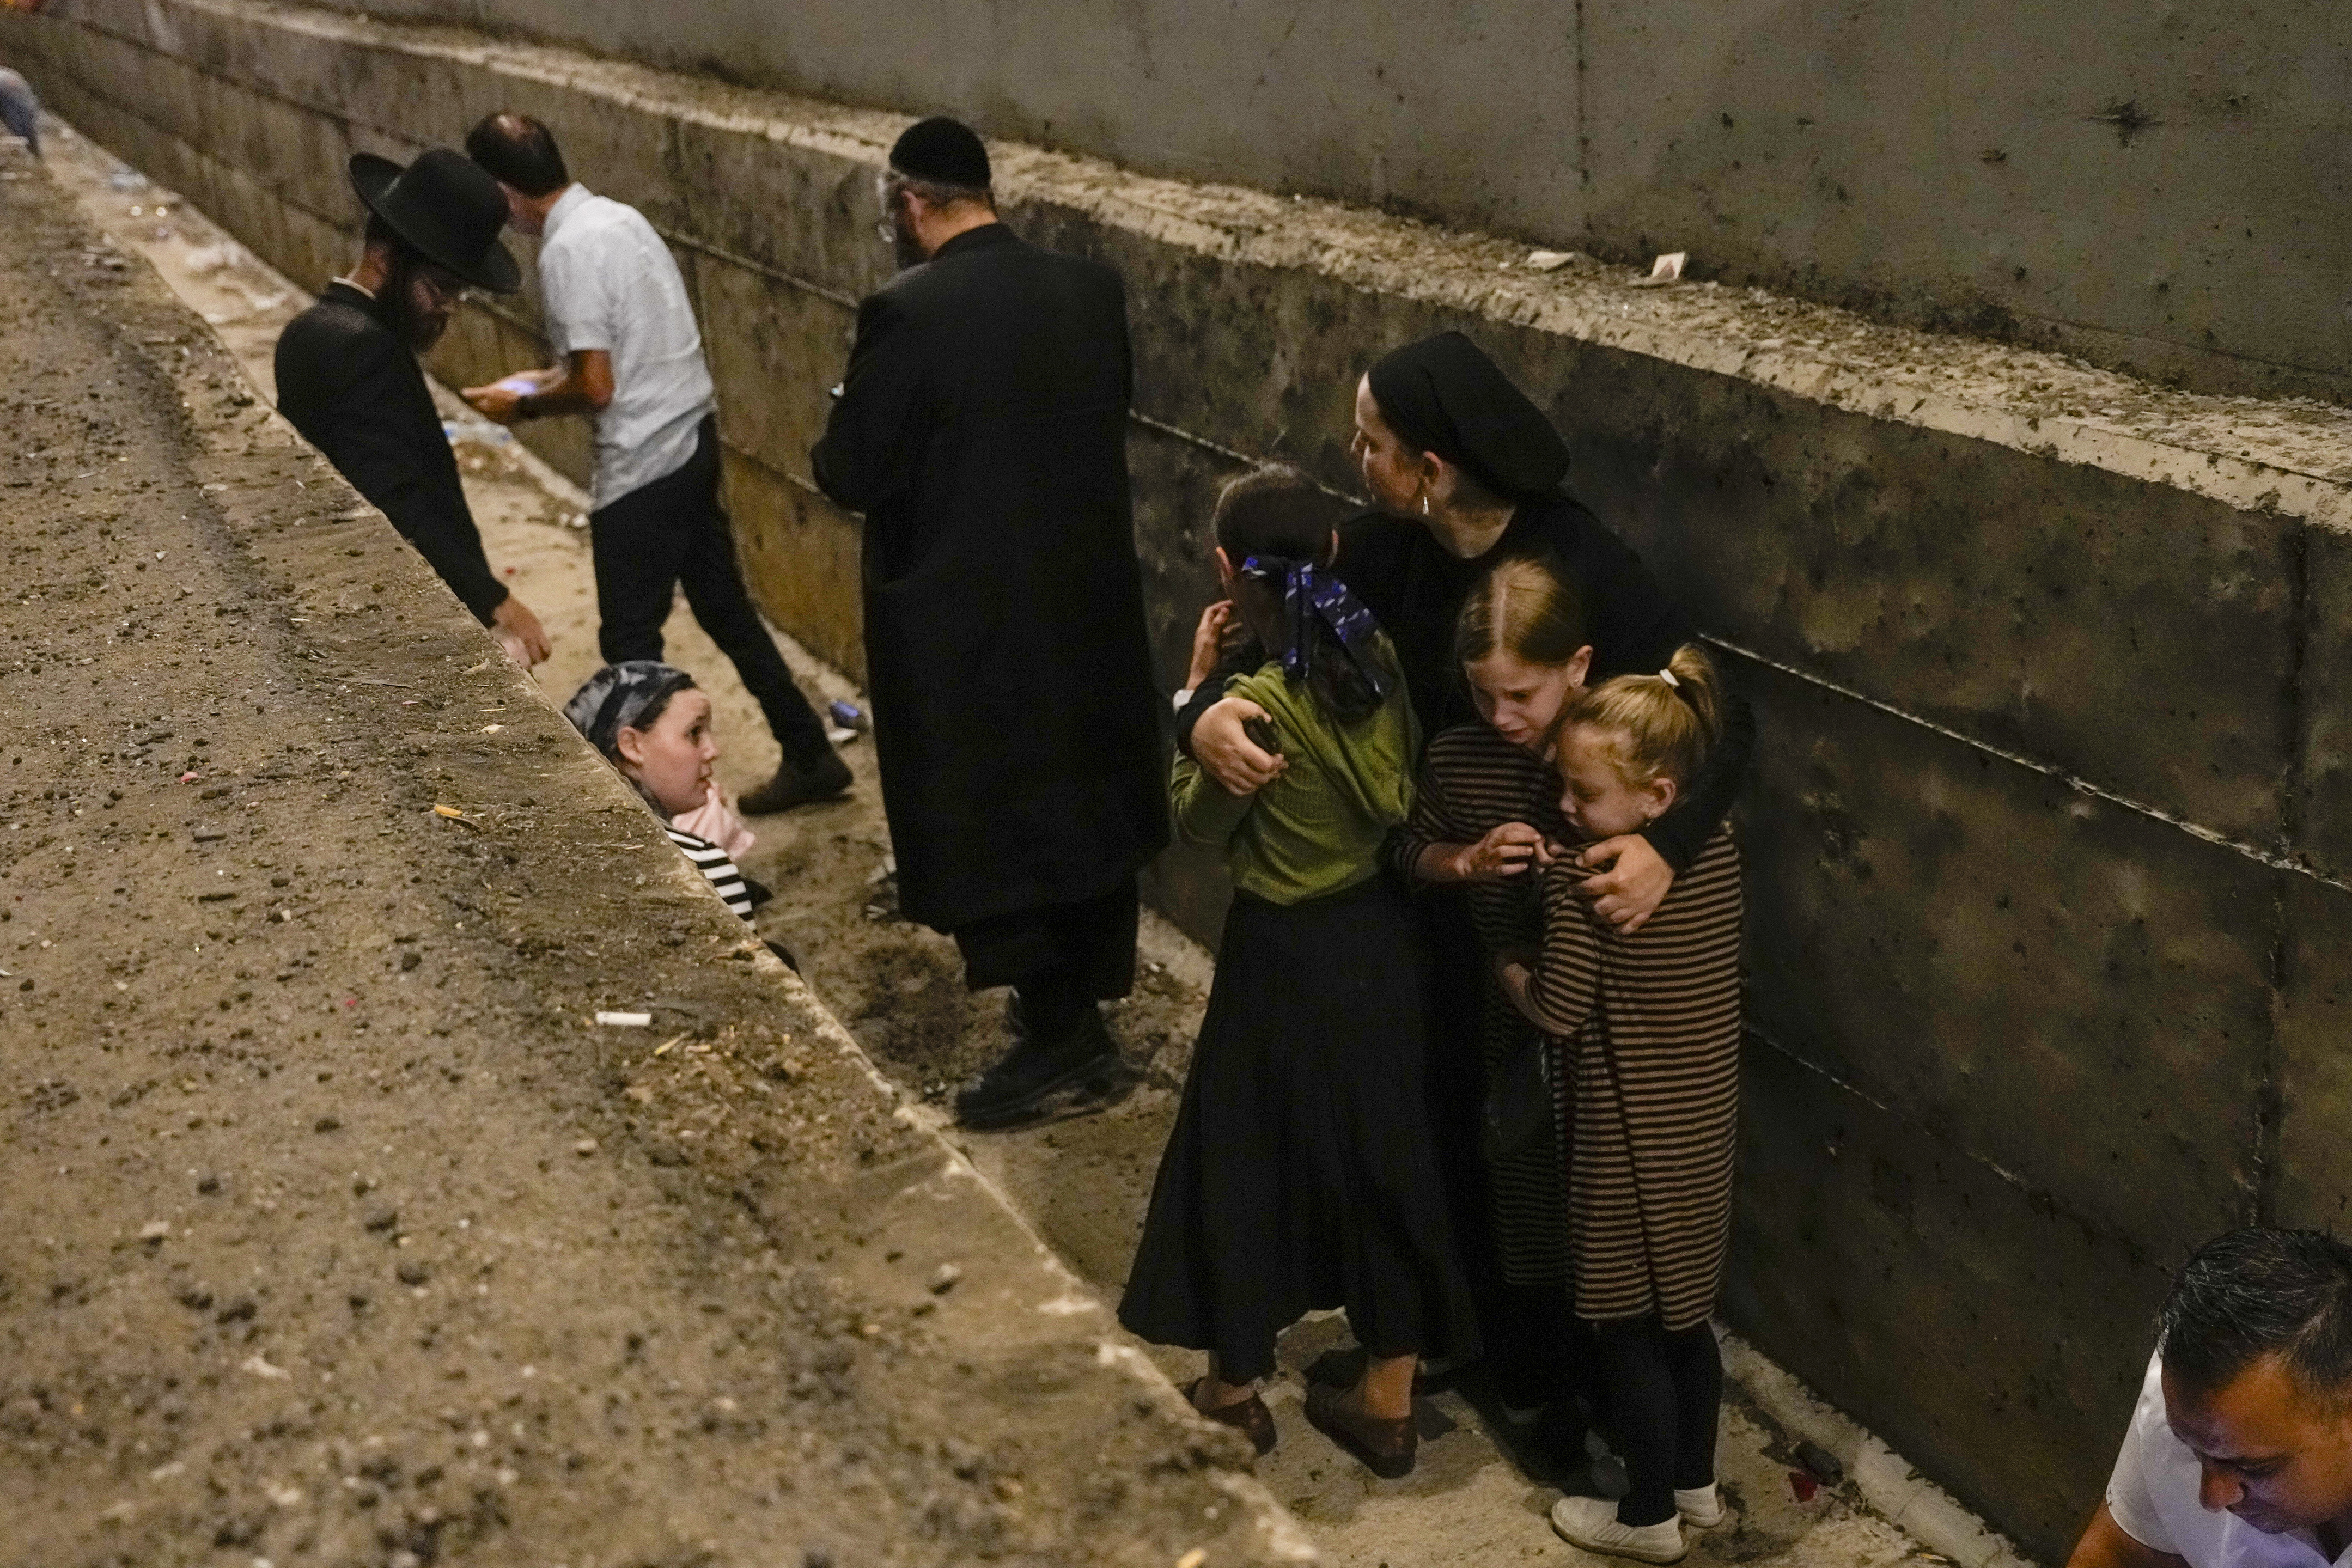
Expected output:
(1300, 1173)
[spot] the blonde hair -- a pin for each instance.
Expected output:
(1523, 608)
(1660, 726)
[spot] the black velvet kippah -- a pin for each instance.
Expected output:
(1443, 394)
(943, 150)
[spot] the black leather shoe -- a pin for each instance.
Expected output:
(1035, 1070)
(826, 778)
(1248, 1416)
(1387, 1448)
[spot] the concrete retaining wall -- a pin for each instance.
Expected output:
(2050, 844)
(2152, 186)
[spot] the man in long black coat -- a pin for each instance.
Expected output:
(981, 429)
(349, 380)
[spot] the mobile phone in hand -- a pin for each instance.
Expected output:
(1261, 735)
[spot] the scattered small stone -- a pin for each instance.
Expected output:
(584, 1147)
(326, 1124)
(412, 1272)
(944, 1277)
(208, 835)
(195, 1298)
(1820, 1462)
(208, 1186)
(242, 1310)
(382, 1217)
(156, 1230)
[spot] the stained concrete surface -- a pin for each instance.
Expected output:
(2103, 176)
(2107, 604)
(1082, 1180)
(337, 1231)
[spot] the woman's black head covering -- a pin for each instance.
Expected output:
(1443, 394)
(619, 697)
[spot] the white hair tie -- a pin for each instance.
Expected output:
(1668, 676)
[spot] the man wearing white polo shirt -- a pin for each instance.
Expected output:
(2239, 1452)
(628, 354)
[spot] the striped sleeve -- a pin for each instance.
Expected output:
(1567, 982)
(1431, 823)
(716, 867)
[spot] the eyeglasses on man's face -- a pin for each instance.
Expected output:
(886, 191)
(442, 289)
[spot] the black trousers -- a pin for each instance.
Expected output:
(673, 532)
(1062, 958)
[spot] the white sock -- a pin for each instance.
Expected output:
(1700, 1505)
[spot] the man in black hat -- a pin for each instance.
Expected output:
(981, 429)
(349, 380)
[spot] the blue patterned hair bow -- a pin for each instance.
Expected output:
(1310, 593)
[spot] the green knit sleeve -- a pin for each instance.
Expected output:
(1204, 813)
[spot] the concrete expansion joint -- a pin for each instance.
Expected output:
(2074, 781)
(1844, 1085)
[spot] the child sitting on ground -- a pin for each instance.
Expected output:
(653, 725)
(1649, 1025)
(1300, 1173)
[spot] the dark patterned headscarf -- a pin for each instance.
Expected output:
(620, 697)
(1310, 593)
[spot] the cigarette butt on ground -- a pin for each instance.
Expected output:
(625, 1021)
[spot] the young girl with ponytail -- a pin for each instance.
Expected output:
(1649, 1024)
(1300, 1173)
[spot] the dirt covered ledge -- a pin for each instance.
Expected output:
(335, 1233)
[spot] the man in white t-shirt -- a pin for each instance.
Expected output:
(628, 355)
(2240, 1451)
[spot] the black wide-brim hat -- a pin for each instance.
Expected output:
(446, 206)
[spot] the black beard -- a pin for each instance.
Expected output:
(906, 246)
(418, 331)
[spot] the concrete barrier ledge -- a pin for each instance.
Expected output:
(768, 1314)
(2291, 455)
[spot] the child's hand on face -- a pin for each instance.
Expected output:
(1209, 641)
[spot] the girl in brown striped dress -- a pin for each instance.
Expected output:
(1651, 1022)
(1487, 820)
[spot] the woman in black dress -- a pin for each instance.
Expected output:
(1466, 473)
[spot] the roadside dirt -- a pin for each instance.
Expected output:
(1082, 1178)
(335, 1233)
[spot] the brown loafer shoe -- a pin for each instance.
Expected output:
(1248, 1416)
(1387, 1448)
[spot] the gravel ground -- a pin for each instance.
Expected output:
(336, 1233)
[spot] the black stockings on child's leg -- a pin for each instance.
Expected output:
(1663, 1390)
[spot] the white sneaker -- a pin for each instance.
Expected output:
(1701, 1506)
(1591, 1522)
